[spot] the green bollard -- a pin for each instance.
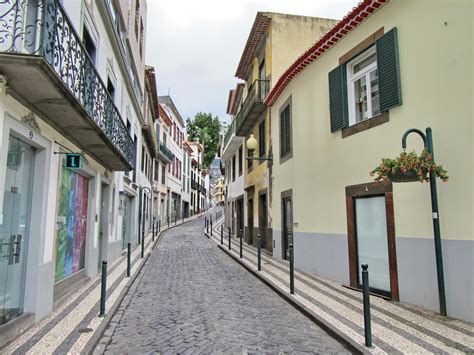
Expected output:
(259, 253)
(228, 229)
(103, 289)
(222, 234)
(241, 244)
(366, 300)
(292, 271)
(153, 231)
(129, 252)
(211, 228)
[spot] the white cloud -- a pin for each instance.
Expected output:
(195, 46)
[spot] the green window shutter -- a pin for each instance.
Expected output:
(338, 98)
(388, 70)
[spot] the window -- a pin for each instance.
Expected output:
(110, 89)
(261, 139)
(141, 38)
(143, 159)
(89, 44)
(249, 161)
(163, 174)
(137, 17)
(363, 87)
(362, 90)
(233, 168)
(285, 132)
(240, 161)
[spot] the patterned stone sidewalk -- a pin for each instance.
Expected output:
(396, 327)
(74, 325)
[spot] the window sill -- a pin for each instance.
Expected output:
(365, 125)
(286, 157)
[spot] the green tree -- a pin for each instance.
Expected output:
(205, 129)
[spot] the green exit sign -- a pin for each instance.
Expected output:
(73, 161)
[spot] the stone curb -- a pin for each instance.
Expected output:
(347, 341)
(96, 337)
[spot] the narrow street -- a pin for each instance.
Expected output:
(191, 297)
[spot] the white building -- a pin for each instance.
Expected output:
(77, 91)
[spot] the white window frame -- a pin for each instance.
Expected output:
(352, 78)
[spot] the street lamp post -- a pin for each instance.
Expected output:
(141, 219)
(251, 146)
(428, 144)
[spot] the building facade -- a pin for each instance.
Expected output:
(274, 42)
(72, 81)
(328, 133)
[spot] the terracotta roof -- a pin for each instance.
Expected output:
(164, 116)
(258, 30)
(355, 17)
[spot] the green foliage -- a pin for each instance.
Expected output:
(205, 129)
(410, 163)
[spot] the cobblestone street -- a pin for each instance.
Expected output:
(191, 297)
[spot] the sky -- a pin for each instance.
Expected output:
(195, 46)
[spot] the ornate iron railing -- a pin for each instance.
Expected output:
(166, 152)
(42, 28)
(256, 95)
(229, 133)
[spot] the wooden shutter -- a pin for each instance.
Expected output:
(388, 71)
(338, 98)
(285, 131)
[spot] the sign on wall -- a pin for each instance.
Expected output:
(73, 161)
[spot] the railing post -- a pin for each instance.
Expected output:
(129, 252)
(241, 244)
(366, 300)
(292, 271)
(259, 253)
(222, 234)
(228, 230)
(103, 289)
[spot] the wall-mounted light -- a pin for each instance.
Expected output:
(252, 144)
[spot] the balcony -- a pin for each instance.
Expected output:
(252, 108)
(194, 185)
(165, 154)
(231, 142)
(49, 71)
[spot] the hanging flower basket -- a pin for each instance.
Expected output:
(409, 167)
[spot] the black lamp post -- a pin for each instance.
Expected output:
(141, 219)
(428, 143)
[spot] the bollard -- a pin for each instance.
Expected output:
(103, 289)
(143, 244)
(211, 228)
(241, 244)
(175, 220)
(205, 222)
(168, 218)
(259, 253)
(153, 231)
(366, 300)
(159, 225)
(222, 234)
(129, 252)
(229, 238)
(292, 271)
(207, 227)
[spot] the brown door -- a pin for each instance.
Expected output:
(287, 209)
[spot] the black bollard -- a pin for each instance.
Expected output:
(176, 220)
(103, 289)
(211, 228)
(129, 252)
(222, 234)
(153, 231)
(159, 225)
(168, 218)
(143, 243)
(241, 244)
(366, 300)
(259, 253)
(228, 229)
(292, 271)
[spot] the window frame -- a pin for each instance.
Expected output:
(288, 155)
(262, 147)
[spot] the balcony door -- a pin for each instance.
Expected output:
(262, 77)
(14, 226)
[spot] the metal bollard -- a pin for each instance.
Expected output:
(222, 234)
(366, 300)
(241, 244)
(159, 225)
(175, 220)
(259, 253)
(292, 271)
(103, 289)
(168, 218)
(228, 229)
(153, 231)
(211, 228)
(207, 227)
(129, 252)
(143, 243)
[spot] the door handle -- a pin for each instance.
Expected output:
(18, 248)
(11, 249)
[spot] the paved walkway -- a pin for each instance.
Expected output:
(192, 298)
(396, 327)
(71, 326)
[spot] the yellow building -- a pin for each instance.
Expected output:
(218, 192)
(274, 42)
(328, 134)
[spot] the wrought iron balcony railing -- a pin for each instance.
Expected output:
(41, 28)
(252, 107)
(194, 184)
(229, 133)
(166, 152)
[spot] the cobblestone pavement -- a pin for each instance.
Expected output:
(192, 298)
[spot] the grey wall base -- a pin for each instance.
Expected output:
(326, 255)
(115, 250)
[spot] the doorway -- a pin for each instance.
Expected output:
(250, 220)
(14, 227)
(126, 220)
(287, 222)
(240, 214)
